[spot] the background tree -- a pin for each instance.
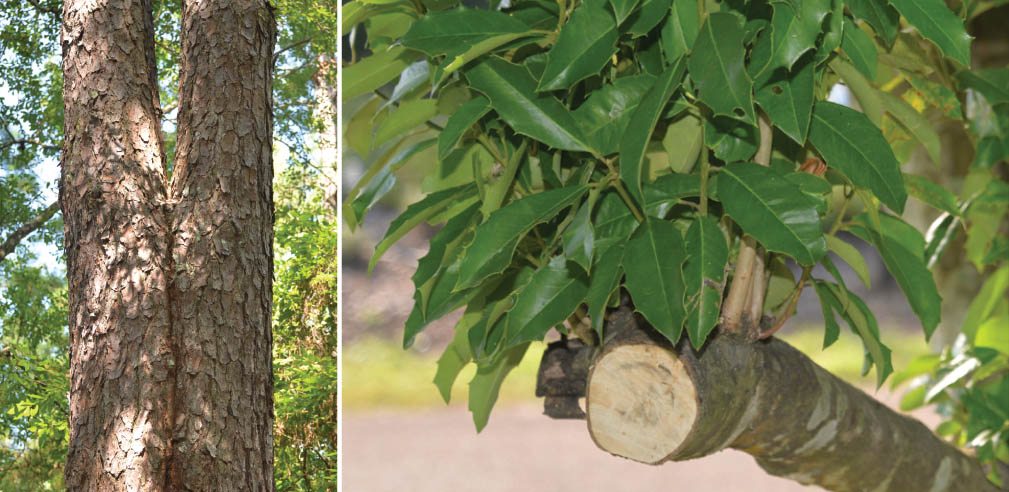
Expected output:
(593, 156)
(33, 332)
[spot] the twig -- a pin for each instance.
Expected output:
(27, 228)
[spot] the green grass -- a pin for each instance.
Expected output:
(377, 373)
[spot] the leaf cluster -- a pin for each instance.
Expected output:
(577, 150)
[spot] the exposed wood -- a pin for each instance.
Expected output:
(649, 402)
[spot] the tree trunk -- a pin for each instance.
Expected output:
(169, 291)
(650, 403)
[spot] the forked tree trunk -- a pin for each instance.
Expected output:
(169, 285)
(651, 403)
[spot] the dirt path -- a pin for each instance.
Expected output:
(519, 451)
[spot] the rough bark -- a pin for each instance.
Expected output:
(650, 402)
(169, 293)
(223, 229)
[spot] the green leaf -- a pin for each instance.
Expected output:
(679, 33)
(851, 256)
(930, 193)
(992, 83)
(654, 277)
(419, 212)
(460, 122)
(883, 18)
(579, 237)
(773, 210)
(613, 222)
(850, 143)
(794, 33)
(787, 98)
(483, 47)
(831, 329)
(643, 120)
(716, 67)
(860, 49)
(605, 277)
(407, 116)
(903, 255)
(455, 31)
(832, 32)
(646, 17)
(485, 385)
(442, 245)
(939, 24)
(512, 93)
(938, 237)
(731, 140)
(495, 240)
(583, 46)
(916, 123)
(455, 357)
(981, 308)
(607, 112)
(623, 8)
(923, 364)
(704, 273)
(661, 194)
(683, 142)
(861, 320)
(375, 71)
(553, 293)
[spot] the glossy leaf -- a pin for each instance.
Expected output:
(375, 71)
(861, 320)
(883, 18)
(794, 33)
(495, 240)
(937, 23)
(455, 357)
(552, 294)
(512, 93)
(654, 277)
(459, 123)
(852, 257)
(442, 245)
(860, 49)
(613, 222)
(787, 98)
(930, 193)
(605, 277)
(578, 238)
(455, 31)
(419, 212)
(773, 210)
(642, 123)
(623, 8)
(704, 274)
(731, 140)
(485, 385)
(679, 33)
(607, 112)
(831, 330)
(583, 47)
(661, 194)
(716, 67)
(850, 143)
(646, 17)
(903, 255)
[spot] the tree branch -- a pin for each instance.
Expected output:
(27, 228)
(47, 10)
(766, 399)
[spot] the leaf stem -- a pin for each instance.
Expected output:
(783, 315)
(739, 298)
(704, 176)
(614, 178)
